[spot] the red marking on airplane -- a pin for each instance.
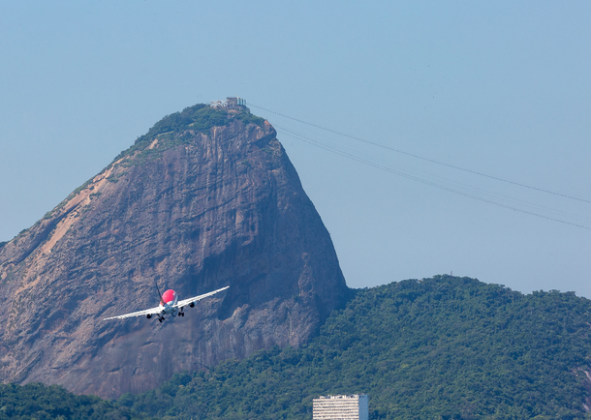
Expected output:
(168, 296)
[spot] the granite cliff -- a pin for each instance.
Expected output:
(207, 198)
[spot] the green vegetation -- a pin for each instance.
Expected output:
(2, 244)
(74, 193)
(248, 118)
(199, 118)
(115, 178)
(441, 348)
(40, 402)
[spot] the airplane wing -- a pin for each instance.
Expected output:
(185, 302)
(152, 311)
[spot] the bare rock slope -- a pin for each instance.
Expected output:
(207, 198)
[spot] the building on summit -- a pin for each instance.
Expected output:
(341, 407)
(230, 103)
(235, 102)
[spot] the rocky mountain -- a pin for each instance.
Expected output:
(207, 198)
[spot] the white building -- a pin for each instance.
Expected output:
(230, 102)
(341, 407)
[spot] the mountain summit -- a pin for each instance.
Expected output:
(207, 198)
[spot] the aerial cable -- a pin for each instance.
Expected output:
(433, 184)
(508, 181)
(341, 150)
(441, 187)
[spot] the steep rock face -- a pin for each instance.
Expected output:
(207, 198)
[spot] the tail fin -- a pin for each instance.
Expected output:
(159, 294)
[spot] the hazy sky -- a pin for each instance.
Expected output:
(501, 88)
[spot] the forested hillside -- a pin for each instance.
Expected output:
(40, 402)
(440, 348)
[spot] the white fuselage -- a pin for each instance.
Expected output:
(167, 308)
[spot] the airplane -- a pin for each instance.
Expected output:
(169, 304)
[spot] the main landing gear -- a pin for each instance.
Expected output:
(160, 318)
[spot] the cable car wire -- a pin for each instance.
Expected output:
(365, 161)
(508, 181)
(438, 179)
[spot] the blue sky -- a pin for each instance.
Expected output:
(501, 88)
